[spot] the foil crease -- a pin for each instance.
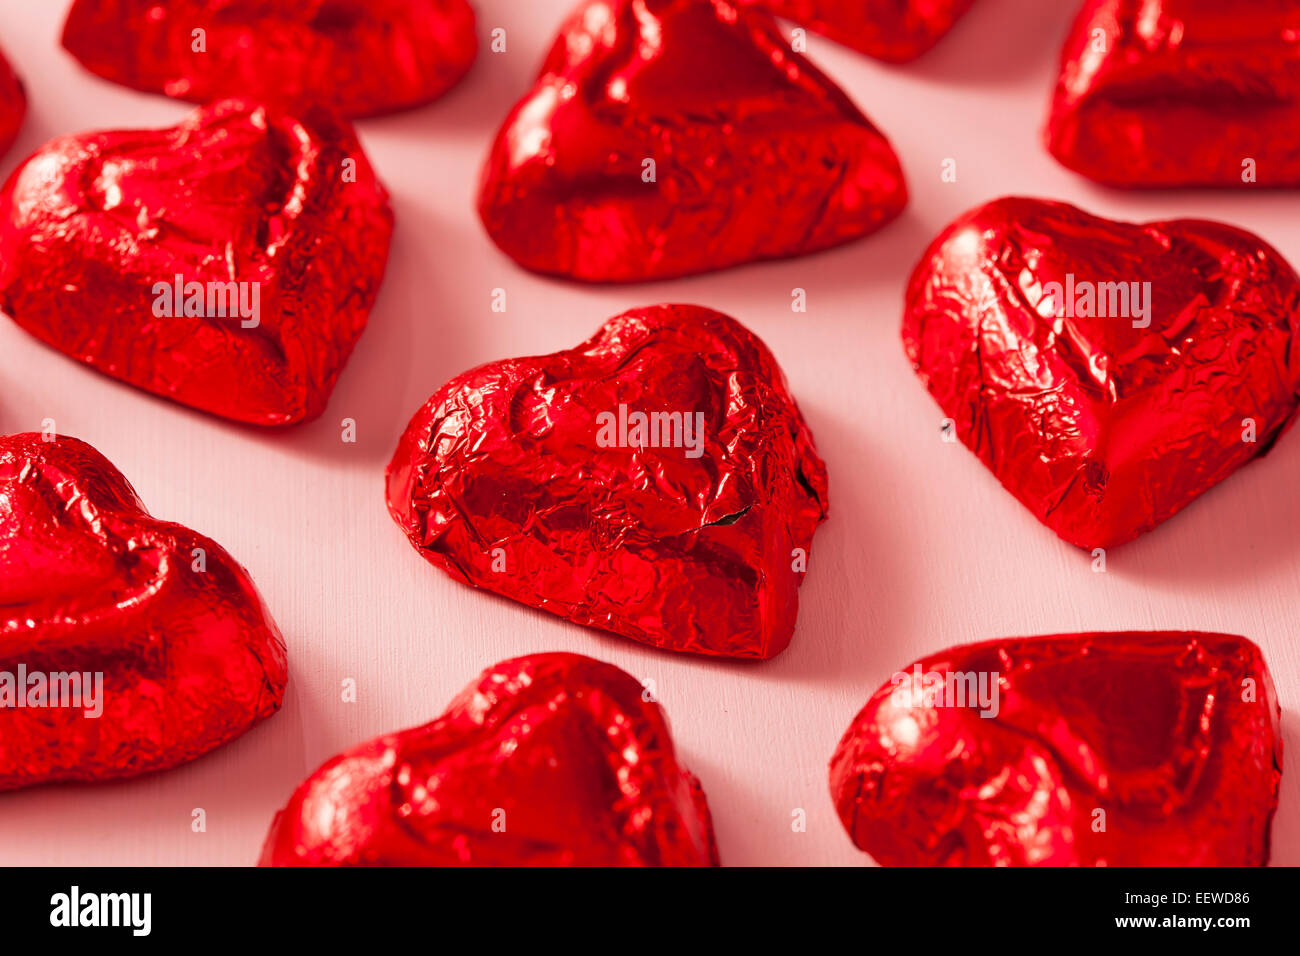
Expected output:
(508, 481)
(1180, 93)
(1104, 425)
(545, 760)
(363, 57)
(13, 105)
(91, 584)
(237, 195)
(1113, 749)
(891, 30)
(669, 137)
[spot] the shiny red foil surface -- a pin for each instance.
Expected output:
(545, 760)
(90, 583)
(513, 479)
(1121, 749)
(13, 105)
(361, 56)
(1181, 93)
(893, 30)
(284, 206)
(1100, 427)
(756, 154)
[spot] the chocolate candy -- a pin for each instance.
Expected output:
(13, 105)
(546, 760)
(1126, 749)
(1106, 372)
(1181, 93)
(127, 644)
(228, 263)
(361, 56)
(894, 30)
(657, 481)
(667, 137)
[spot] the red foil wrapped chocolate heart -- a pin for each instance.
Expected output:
(1106, 372)
(667, 137)
(361, 56)
(228, 263)
(657, 481)
(13, 105)
(127, 644)
(1181, 93)
(546, 760)
(1124, 749)
(894, 30)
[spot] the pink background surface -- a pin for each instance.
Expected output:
(923, 548)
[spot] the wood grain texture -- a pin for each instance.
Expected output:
(922, 549)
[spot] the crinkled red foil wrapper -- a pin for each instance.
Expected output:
(1181, 93)
(1103, 429)
(893, 30)
(1121, 749)
(363, 57)
(237, 192)
(757, 154)
(90, 583)
(503, 480)
(546, 760)
(13, 105)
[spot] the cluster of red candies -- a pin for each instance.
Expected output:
(509, 480)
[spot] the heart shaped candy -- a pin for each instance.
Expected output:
(893, 30)
(228, 263)
(361, 56)
(127, 644)
(1124, 749)
(1106, 372)
(13, 105)
(546, 760)
(657, 481)
(1181, 93)
(667, 137)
